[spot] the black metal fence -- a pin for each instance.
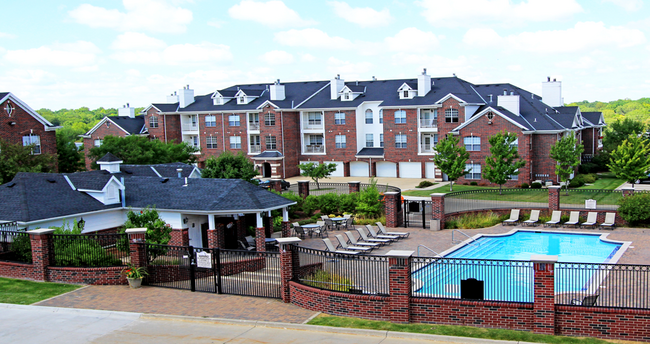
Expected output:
(362, 274)
(417, 213)
(339, 188)
(495, 199)
(15, 245)
(89, 250)
(250, 273)
(594, 198)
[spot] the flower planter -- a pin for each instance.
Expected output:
(134, 282)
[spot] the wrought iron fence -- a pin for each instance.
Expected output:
(89, 250)
(9, 226)
(250, 273)
(495, 199)
(580, 198)
(339, 188)
(169, 266)
(381, 188)
(455, 278)
(15, 245)
(363, 274)
(602, 285)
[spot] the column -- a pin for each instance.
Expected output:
(41, 240)
(554, 197)
(260, 234)
(399, 279)
(393, 209)
(354, 187)
(544, 293)
(136, 246)
(275, 185)
(303, 188)
(217, 236)
(286, 225)
(438, 211)
(286, 265)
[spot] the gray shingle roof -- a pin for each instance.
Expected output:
(592, 117)
(132, 125)
(166, 107)
(269, 154)
(91, 180)
(165, 170)
(371, 151)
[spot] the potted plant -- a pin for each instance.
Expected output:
(134, 275)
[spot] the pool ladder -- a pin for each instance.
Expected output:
(454, 241)
(436, 253)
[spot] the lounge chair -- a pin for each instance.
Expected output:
(355, 242)
(365, 238)
(574, 219)
(380, 236)
(250, 240)
(344, 245)
(330, 247)
(591, 220)
(534, 218)
(514, 218)
(244, 246)
(610, 221)
(555, 219)
(383, 231)
(586, 301)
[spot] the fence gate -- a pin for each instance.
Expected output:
(417, 213)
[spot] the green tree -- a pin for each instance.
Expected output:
(70, 158)
(370, 202)
(231, 166)
(566, 152)
(158, 232)
(504, 160)
(631, 159)
(619, 131)
(451, 158)
(16, 158)
(317, 171)
(140, 150)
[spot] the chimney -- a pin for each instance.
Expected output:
(172, 98)
(277, 91)
(509, 102)
(336, 85)
(424, 83)
(552, 92)
(126, 111)
(180, 172)
(185, 96)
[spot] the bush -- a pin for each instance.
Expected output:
(590, 178)
(588, 167)
(370, 201)
(477, 220)
(329, 203)
(635, 209)
(524, 185)
(327, 280)
(80, 250)
(601, 160)
(309, 205)
(277, 223)
(536, 185)
(473, 183)
(22, 248)
(348, 202)
(295, 198)
(425, 184)
(577, 181)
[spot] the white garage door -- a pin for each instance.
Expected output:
(359, 169)
(430, 170)
(410, 170)
(386, 169)
(340, 170)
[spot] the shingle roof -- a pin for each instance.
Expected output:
(371, 151)
(163, 170)
(3, 94)
(91, 180)
(133, 126)
(269, 154)
(592, 117)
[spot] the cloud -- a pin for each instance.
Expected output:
(77, 54)
(272, 13)
(312, 58)
(311, 38)
(412, 39)
(136, 41)
(277, 57)
(584, 62)
(140, 15)
(362, 16)
(216, 23)
(628, 5)
(7, 35)
(141, 49)
(349, 69)
(471, 13)
(438, 65)
(196, 53)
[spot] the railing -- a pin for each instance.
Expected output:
(494, 199)
(90, 250)
(472, 241)
(255, 149)
(250, 273)
(15, 245)
(605, 199)
(382, 188)
(434, 252)
(424, 148)
(254, 125)
(9, 226)
(314, 126)
(190, 127)
(365, 274)
(428, 123)
(314, 149)
(339, 188)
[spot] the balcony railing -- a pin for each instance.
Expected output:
(314, 149)
(427, 148)
(190, 127)
(254, 125)
(313, 125)
(428, 123)
(255, 149)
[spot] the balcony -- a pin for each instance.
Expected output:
(427, 148)
(428, 123)
(314, 149)
(254, 126)
(189, 127)
(312, 125)
(255, 149)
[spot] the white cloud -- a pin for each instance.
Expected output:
(216, 23)
(438, 65)
(584, 62)
(311, 38)
(412, 39)
(628, 5)
(7, 35)
(76, 54)
(515, 68)
(145, 15)
(277, 57)
(136, 41)
(196, 53)
(312, 58)
(362, 16)
(470, 13)
(272, 13)
(349, 70)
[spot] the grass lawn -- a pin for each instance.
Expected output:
(448, 330)
(23, 292)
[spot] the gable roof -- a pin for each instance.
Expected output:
(109, 157)
(46, 124)
(130, 126)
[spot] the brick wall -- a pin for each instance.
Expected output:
(17, 270)
(542, 162)
(110, 275)
(608, 323)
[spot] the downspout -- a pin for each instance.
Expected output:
(223, 133)
(123, 193)
(165, 120)
(284, 160)
(593, 142)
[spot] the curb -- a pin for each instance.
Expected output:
(61, 310)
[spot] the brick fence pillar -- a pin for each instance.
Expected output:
(217, 236)
(286, 265)
(286, 229)
(399, 284)
(41, 240)
(354, 187)
(136, 246)
(303, 188)
(438, 209)
(544, 294)
(241, 227)
(554, 197)
(260, 239)
(628, 191)
(393, 209)
(275, 185)
(180, 237)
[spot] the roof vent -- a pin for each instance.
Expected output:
(127, 171)
(180, 172)
(50, 180)
(164, 180)
(11, 185)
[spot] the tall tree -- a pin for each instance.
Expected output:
(566, 153)
(16, 158)
(70, 158)
(504, 161)
(631, 159)
(228, 165)
(317, 171)
(451, 158)
(140, 150)
(619, 131)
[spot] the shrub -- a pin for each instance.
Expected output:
(370, 201)
(473, 183)
(22, 248)
(577, 181)
(635, 209)
(329, 203)
(327, 280)
(536, 185)
(80, 250)
(348, 202)
(309, 205)
(590, 178)
(476, 220)
(295, 198)
(524, 185)
(588, 167)
(277, 223)
(425, 184)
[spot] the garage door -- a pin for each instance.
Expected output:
(340, 170)
(410, 170)
(359, 169)
(386, 169)
(429, 170)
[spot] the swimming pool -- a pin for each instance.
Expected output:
(503, 263)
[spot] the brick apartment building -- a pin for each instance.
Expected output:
(383, 128)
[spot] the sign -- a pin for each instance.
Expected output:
(204, 260)
(590, 204)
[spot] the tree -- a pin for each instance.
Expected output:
(370, 203)
(631, 159)
(619, 131)
(16, 158)
(451, 158)
(566, 153)
(317, 171)
(228, 165)
(158, 231)
(140, 150)
(504, 161)
(70, 158)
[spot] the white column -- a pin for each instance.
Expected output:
(211, 222)
(285, 214)
(260, 223)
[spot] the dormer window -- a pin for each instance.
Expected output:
(346, 96)
(406, 94)
(406, 91)
(241, 100)
(218, 100)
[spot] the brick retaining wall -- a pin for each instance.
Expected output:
(108, 275)
(17, 270)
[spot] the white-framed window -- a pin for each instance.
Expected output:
(400, 116)
(340, 141)
(241, 100)
(429, 118)
(235, 142)
(472, 143)
(210, 121)
(514, 176)
(270, 142)
(451, 115)
(316, 140)
(346, 95)
(314, 118)
(406, 94)
(368, 116)
(381, 116)
(474, 171)
(370, 141)
(153, 122)
(269, 119)
(339, 118)
(98, 142)
(400, 141)
(211, 142)
(435, 139)
(515, 143)
(35, 140)
(195, 141)
(233, 120)
(381, 140)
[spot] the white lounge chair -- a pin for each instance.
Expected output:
(534, 218)
(355, 242)
(344, 245)
(514, 218)
(610, 221)
(330, 247)
(574, 219)
(365, 238)
(374, 234)
(383, 231)
(555, 219)
(591, 220)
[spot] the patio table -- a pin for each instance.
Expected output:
(310, 228)
(338, 221)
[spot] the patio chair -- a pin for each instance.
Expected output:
(555, 219)
(330, 247)
(324, 217)
(349, 223)
(344, 245)
(610, 221)
(591, 220)
(365, 238)
(250, 240)
(329, 224)
(300, 232)
(383, 231)
(574, 219)
(380, 236)
(321, 230)
(354, 241)
(534, 218)
(347, 216)
(244, 246)
(586, 301)
(514, 218)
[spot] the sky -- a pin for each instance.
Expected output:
(69, 54)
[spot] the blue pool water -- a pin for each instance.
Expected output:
(508, 275)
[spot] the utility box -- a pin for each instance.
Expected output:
(434, 225)
(471, 289)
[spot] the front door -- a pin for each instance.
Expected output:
(267, 170)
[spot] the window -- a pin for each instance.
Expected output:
(370, 141)
(429, 118)
(153, 122)
(316, 140)
(235, 142)
(98, 142)
(515, 143)
(339, 118)
(242, 100)
(9, 109)
(195, 141)
(400, 141)
(435, 139)
(340, 141)
(381, 116)
(368, 116)
(211, 142)
(474, 171)
(35, 140)
(406, 94)
(270, 142)
(400, 116)
(112, 192)
(269, 119)
(314, 118)
(514, 176)
(451, 115)
(381, 140)
(472, 143)
(346, 95)
(233, 120)
(210, 121)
